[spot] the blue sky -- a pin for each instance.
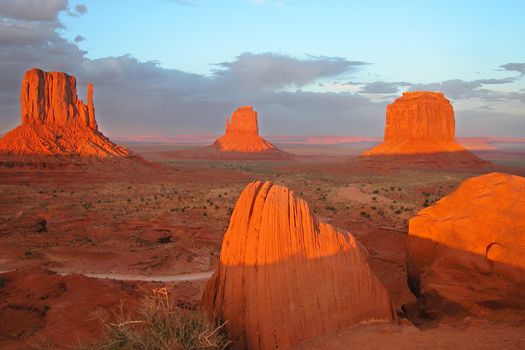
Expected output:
(422, 41)
(166, 67)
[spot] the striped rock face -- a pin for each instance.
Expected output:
(419, 122)
(285, 276)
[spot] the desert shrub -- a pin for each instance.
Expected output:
(364, 214)
(328, 207)
(159, 324)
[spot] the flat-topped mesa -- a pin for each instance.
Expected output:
(420, 115)
(55, 121)
(242, 133)
(51, 99)
(417, 123)
(285, 276)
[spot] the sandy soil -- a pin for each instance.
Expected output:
(170, 221)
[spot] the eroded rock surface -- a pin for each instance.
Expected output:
(466, 253)
(242, 133)
(55, 121)
(285, 276)
(420, 129)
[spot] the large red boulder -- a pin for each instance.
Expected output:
(466, 253)
(285, 276)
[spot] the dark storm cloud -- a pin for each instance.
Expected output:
(81, 8)
(489, 123)
(176, 101)
(79, 38)
(514, 67)
(461, 89)
(383, 87)
(32, 10)
(454, 88)
(274, 71)
(142, 98)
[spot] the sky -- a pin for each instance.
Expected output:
(168, 67)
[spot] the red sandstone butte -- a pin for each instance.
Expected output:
(418, 122)
(467, 252)
(285, 276)
(55, 121)
(242, 133)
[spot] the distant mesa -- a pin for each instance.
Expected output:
(285, 276)
(242, 133)
(466, 253)
(55, 121)
(421, 124)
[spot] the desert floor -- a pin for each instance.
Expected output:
(170, 222)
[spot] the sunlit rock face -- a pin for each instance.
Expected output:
(51, 99)
(242, 133)
(55, 121)
(419, 132)
(467, 252)
(420, 115)
(418, 122)
(285, 276)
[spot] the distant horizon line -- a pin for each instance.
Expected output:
(287, 138)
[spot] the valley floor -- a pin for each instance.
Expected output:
(171, 222)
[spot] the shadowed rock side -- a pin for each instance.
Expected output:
(420, 127)
(242, 133)
(285, 276)
(55, 121)
(467, 252)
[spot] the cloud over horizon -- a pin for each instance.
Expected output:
(135, 97)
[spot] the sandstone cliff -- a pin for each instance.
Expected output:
(242, 133)
(420, 128)
(467, 252)
(55, 121)
(285, 276)
(419, 122)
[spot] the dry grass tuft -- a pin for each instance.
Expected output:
(158, 324)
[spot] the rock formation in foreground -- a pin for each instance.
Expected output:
(421, 123)
(285, 276)
(242, 133)
(55, 121)
(467, 252)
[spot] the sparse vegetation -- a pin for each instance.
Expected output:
(158, 324)
(365, 214)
